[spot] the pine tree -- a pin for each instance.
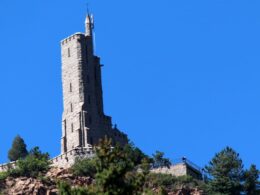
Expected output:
(160, 161)
(226, 169)
(18, 150)
(251, 180)
(116, 169)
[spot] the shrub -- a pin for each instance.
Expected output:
(84, 167)
(65, 189)
(167, 181)
(3, 175)
(33, 165)
(155, 180)
(160, 161)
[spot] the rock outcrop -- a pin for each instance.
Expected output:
(47, 184)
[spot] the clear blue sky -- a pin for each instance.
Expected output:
(182, 77)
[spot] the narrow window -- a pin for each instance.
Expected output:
(95, 74)
(71, 107)
(90, 120)
(91, 140)
(87, 79)
(68, 52)
(65, 127)
(89, 99)
(72, 127)
(70, 87)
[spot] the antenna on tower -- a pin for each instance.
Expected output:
(92, 23)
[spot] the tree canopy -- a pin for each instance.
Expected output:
(251, 180)
(18, 150)
(160, 161)
(226, 169)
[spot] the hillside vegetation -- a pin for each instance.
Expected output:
(125, 171)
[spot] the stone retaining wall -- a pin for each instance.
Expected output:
(65, 160)
(180, 169)
(6, 166)
(175, 170)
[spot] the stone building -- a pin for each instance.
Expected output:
(183, 167)
(83, 120)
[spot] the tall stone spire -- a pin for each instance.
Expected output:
(89, 25)
(84, 121)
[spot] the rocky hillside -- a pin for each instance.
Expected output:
(48, 184)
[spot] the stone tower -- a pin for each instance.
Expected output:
(83, 120)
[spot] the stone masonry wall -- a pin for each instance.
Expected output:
(180, 169)
(175, 170)
(6, 166)
(65, 160)
(73, 98)
(83, 122)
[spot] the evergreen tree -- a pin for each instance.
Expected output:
(226, 169)
(116, 169)
(251, 180)
(18, 150)
(33, 165)
(160, 161)
(136, 154)
(112, 166)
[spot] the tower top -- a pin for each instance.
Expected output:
(89, 24)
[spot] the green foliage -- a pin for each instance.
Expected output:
(135, 154)
(160, 161)
(189, 182)
(3, 176)
(226, 168)
(38, 154)
(84, 167)
(18, 150)
(145, 166)
(65, 189)
(251, 181)
(155, 180)
(45, 180)
(123, 170)
(112, 167)
(167, 181)
(80, 191)
(33, 165)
